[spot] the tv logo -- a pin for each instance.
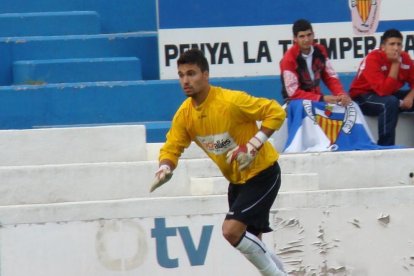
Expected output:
(196, 253)
(122, 245)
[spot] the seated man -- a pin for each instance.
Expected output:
(303, 67)
(376, 88)
(318, 122)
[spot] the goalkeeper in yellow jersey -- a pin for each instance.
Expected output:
(223, 123)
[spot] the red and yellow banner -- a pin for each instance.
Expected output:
(330, 127)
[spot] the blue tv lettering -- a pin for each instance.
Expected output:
(196, 254)
(160, 233)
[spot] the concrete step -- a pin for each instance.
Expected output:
(199, 205)
(45, 184)
(142, 45)
(337, 170)
(117, 180)
(76, 70)
(49, 23)
(217, 185)
(30, 147)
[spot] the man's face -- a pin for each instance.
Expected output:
(304, 39)
(192, 80)
(392, 47)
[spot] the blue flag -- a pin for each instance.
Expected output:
(318, 126)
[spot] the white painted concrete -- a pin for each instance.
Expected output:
(338, 213)
(121, 143)
(346, 232)
(118, 180)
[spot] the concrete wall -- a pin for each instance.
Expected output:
(353, 232)
(91, 214)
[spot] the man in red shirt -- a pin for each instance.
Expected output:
(305, 65)
(376, 88)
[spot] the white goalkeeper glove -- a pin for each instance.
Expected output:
(244, 154)
(163, 174)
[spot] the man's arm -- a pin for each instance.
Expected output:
(245, 154)
(267, 131)
(163, 174)
(331, 79)
(177, 140)
(408, 100)
(381, 84)
(271, 115)
(290, 82)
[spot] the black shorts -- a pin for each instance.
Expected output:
(250, 203)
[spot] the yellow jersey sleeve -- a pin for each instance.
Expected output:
(226, 119)
(178, 138)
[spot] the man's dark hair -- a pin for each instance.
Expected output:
(194, 56)
(389, 34)
(301, 25)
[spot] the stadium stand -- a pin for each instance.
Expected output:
(83, 115)
(62, 56)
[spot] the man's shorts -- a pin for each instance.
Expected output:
(250, 203)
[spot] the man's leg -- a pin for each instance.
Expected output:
(251, 247)
(248, 217)
(275, 258)
(387, 110)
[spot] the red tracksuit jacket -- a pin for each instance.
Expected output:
(373, 75)
(296, 80)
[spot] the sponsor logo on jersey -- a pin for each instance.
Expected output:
(216, 144)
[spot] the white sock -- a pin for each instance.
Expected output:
(255, 251)
(276, 260)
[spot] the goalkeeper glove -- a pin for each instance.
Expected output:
(163, 174)
(245, 154)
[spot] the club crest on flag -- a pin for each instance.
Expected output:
(328, 110)
(343, 120)
(318, 126)
(365, 16)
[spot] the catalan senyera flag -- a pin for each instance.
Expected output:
(318, 126)
(363, 7)
(330, 127)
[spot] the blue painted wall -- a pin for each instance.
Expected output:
(218, 13)
(117, 16)
(123, 102)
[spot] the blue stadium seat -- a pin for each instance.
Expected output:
(49, 23)
(76, 70)
(143, 45)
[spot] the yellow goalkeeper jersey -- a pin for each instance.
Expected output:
(226, 118)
